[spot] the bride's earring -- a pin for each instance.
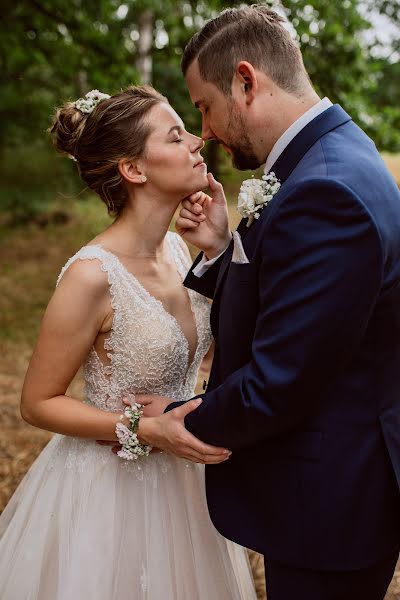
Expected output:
(144, 178)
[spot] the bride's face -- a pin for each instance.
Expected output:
(172, 162)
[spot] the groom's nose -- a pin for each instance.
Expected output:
(206, 131)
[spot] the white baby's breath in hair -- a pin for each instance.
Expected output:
(90, 101)
(255, 194)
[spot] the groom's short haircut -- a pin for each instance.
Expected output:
(254, 34)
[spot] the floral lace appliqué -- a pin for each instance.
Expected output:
(147, 349)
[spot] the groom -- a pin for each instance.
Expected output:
(305, 384)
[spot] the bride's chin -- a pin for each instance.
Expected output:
(204, 179)
(199, 184)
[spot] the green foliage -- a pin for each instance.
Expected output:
(343, 66)
(34, 179)
(53, 50)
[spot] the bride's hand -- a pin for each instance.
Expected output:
(168, 433)
(152, 406)
(203, 221)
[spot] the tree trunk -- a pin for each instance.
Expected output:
(213, 158)
(145, 45)
(82, 83)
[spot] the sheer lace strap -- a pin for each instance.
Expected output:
(107, 261)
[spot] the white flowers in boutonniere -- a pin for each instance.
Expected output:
(255, 194)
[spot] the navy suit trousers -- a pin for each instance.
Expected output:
(288, 583)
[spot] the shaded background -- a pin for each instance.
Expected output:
(54, 50)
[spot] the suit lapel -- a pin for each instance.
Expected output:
(221, 277)
(328, 120)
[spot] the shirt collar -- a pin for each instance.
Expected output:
(293, 130)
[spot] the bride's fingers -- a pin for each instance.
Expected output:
(186, 408)
(197, 197)
(196, 208)
(144, 400)
(188, 440)
(186, 223)
(204, 459)
(186, 214)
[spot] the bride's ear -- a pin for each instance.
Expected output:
(131, 171)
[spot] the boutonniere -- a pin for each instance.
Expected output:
(255, 194)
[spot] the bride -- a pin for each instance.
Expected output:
(84, 522)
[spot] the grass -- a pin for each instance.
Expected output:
(31, 258)
(393, 164)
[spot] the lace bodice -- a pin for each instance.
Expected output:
(147, 349)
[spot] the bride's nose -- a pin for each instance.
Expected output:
(198, 144)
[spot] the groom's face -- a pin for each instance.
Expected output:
(222, 120)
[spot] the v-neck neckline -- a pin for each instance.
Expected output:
(157, 302)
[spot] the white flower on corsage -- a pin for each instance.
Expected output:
(90, 101)
(255, 194)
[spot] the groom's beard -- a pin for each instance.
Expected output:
(243, 156)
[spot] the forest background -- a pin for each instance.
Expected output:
(53, 50)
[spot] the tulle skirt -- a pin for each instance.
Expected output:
(85, 525)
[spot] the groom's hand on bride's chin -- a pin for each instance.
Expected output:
(203, 220)
(167, 432)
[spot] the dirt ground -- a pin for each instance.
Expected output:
(29, 264)
(20, 444)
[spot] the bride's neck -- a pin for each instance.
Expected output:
(141, 228)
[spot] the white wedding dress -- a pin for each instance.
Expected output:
(87, 525)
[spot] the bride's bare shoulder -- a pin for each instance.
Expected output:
(84, 272)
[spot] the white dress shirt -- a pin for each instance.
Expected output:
(273, 156)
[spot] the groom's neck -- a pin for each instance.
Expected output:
(276, 115)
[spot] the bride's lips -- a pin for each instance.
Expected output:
(201, 163)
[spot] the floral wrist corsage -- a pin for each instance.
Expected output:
(131, 449)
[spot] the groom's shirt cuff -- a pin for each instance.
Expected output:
(205, 264)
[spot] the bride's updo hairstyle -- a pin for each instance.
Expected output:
(116, 128)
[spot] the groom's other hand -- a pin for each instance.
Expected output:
(167, 432)
(203, 220)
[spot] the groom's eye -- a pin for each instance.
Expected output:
(179, 140)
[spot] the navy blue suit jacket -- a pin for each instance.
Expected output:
(305, 385)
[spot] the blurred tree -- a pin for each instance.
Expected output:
(52, 50)
(385, 65)
(342, 66)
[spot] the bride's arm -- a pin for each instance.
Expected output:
(71, 323)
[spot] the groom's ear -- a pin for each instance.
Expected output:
(244, 83)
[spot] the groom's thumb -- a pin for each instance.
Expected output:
(188, 407)
(216, 189)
